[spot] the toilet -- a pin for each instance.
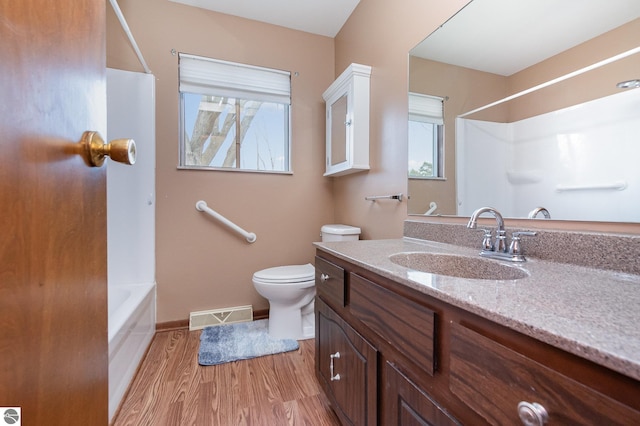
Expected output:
(291, 290)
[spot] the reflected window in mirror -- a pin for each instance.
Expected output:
(426, 136)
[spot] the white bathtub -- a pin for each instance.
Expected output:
(132, 324)
(130, 229)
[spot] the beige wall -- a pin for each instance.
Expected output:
(380, 33)
(200, 264)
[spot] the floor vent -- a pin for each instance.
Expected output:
(202, 319)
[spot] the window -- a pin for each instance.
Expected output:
(426, 136)
(233, 116)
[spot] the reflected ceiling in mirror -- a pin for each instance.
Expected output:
(492, 49)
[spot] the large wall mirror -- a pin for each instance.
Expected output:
(533, 112)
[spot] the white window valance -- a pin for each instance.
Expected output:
(221, 78)
(426, 108)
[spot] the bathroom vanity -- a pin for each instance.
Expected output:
(398, 345)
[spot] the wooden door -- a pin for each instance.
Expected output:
(53, 279)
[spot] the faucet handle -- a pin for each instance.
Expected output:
(487, 242)
(501, 241)
(515, 247)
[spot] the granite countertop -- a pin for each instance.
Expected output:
(589, 312)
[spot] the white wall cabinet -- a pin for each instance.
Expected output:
(347, 109)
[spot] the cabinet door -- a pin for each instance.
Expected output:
(346, 368)
(347, 115)
(408, 405)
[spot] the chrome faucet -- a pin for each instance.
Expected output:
(498, 248)
(499, 245)
(473, 220)
(533, 213)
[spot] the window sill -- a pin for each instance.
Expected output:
(225, 169)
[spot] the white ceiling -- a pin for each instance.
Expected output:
(506, 36)
(323, 17)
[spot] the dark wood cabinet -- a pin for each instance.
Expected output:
(346, 366)
(494, 381)
(406, 325)
(330, 282)
(406, 358)
(408, 405)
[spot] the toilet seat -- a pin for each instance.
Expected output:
(286, 274)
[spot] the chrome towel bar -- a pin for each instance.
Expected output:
(386, 197)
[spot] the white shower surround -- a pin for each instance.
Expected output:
(518, 166)
(130, 229)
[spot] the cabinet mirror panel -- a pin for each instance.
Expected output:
(338, 131)
(535, 114)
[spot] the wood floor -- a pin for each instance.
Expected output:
(172, 389)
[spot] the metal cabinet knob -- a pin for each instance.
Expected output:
(324, 278)
(120, 150)
(532, 414)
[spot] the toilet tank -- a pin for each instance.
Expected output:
(339, 233)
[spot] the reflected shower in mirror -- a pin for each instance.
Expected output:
(567, 146)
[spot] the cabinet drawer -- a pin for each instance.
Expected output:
(330, 282)
(492, 379)
(406, 325)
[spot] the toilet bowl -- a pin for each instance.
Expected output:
(291, 291)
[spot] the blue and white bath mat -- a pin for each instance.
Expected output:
(244, 340)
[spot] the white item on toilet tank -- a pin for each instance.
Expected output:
(336, 232)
